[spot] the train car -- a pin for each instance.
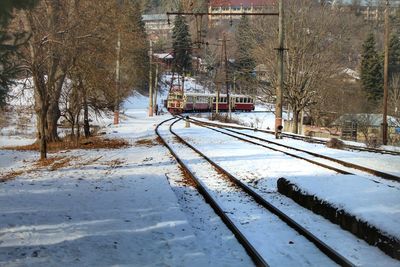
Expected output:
(176, 100)
(195, 102)
(179, 102)
(242, 103)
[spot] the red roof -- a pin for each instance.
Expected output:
(245, 3)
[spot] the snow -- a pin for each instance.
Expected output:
(109, 207)
(289, 248)
(375, 203)
(260, 168)
(132, 206)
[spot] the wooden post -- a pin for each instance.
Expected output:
(385, 77)
(156, 88)
(150, 81)
(279, 87)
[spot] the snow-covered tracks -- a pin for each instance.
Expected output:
(304, 138)
(267, 234)
(338, 165)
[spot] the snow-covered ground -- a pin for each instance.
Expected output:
(134, 207)
(109, 207)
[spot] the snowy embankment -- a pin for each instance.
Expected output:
(375, 203)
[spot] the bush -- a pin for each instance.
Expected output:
(335, 143)
(372, 141)
(223, 117)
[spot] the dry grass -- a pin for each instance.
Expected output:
(224, 117)
(116, 163)
(159, 141)
(51, 164)
(147, 142)
(89, 143)
(335, 143)
(9, 176)
(186, 178)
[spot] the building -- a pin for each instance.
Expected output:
(237, 6)
(261, 72)
(158, 26)
(365, 126)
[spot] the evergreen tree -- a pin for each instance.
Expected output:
(9, 42)
(137, 59)
(7, 7)
(371, 70)
(181, 45)
(244, 62)
(394, 55)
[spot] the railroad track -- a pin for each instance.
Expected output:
(285, 149)
(304, 138)
(253, 201)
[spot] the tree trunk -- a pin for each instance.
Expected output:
(43, 141)
(53, 115)
(72, 128)
(295, 121)
(78, 129)
(86, 125)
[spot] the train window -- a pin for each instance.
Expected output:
(237, 99)
(214, 99)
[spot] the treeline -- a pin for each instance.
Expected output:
(71, 55)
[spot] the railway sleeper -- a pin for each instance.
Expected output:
(362, 229)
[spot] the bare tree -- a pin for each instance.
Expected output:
(75, 41)
(48, 62)
(317, 42)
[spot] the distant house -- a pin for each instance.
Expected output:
(372, 120)
(158, 25)
(216, 7)
(261, 72)
(165, 59)
(356, 126)
(349, 75)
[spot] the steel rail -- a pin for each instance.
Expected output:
(252, 252)
(323, 247)
(384, 175)
(278, 150)
(377, 173)
(302, 138)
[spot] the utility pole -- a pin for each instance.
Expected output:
(151, 81)
(281, 47)
(227, 77)
(385, 77)
(279, 87)
(117, 79)
(156, 88)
